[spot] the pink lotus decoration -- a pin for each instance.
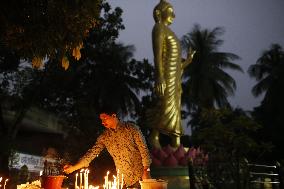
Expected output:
(191, 153)
(154, 152)
(169, 157)
(168, 149)
(180, 152)
(161, 155)
(183, 161)
(156, 162)
(170, 161)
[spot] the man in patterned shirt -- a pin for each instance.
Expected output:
(126, 145)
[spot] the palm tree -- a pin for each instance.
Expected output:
(269, 72)
(205, 83)
(112, 81)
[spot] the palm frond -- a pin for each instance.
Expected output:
(205, 82)
(261, 86)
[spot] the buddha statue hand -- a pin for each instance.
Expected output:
(190, 55)
(160, 87)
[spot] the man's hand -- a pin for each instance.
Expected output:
(189, 58)
(68, 169)
(146, 174)
(190, 54)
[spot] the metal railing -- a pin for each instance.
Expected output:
(265, 176)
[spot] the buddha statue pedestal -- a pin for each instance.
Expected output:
(177, 177)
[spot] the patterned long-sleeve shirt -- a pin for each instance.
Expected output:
(126, 144)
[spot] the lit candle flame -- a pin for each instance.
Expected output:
(93, 187)
(5, 183)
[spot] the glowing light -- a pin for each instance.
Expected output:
(5, 183)
(93, 187)
(84, 179)
(76, 180)
(116, 184)
(37, 62)
(81, 181)
(65, 63)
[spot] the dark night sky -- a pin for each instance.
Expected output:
(251, 26)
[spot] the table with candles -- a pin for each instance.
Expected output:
(82, 180)
(3, 182)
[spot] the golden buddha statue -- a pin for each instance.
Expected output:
(165, 117)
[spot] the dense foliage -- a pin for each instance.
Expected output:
(229, 138)
(269, 73)
(41, 28)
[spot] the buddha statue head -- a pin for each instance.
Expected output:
(164, 13)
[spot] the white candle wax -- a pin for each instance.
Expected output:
(107, 184)
(81, 179)
(76, 181)
(85, 179)
(5, 183)
(121, 180)
(88, 178)
(118, 179)
(114, 185)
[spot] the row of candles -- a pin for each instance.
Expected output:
(83, 181)
(5, 182)
(116, 184)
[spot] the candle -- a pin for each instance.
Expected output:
(76, 181)
(117, 178)
(114, 185)
(81, 178)
(121, 180)
(86, 179)
(5, 183)
(107, 184)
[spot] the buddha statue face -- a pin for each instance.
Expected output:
(164, 13)
(168, 16)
